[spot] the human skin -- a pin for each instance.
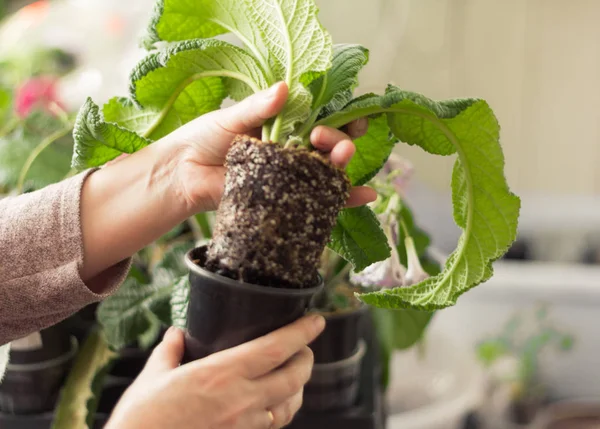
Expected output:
(132, 202)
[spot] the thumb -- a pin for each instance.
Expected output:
(168, 354)
(253, 111)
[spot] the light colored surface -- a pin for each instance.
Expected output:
(573, 295)
(3, 359)
(535, 61)
(434, 390)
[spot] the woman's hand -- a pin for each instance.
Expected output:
(204, 144)
(132, 202)
(257, 385)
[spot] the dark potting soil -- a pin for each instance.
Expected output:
(276, 214)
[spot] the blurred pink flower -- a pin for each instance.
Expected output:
(36, 92)
(404, 170)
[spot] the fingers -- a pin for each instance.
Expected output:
(361, 195)
(286, 381)
(168, 354)
(357, 128)
(326, 138)
(284, 413)
(253, 111)
(336, 142)
(259, 357)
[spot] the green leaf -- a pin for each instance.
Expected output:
(179, 302)
(284, 36)
(332, 91)
(127, 315)
(189, 79)
(372, 151)
(358, 238)
(50, 166)
(80, 394)
(400, 329)
(98, 141)
(484, 207)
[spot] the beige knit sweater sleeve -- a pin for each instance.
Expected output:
(41, 252)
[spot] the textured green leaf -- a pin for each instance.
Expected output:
(189, 79)
(284, 36)
(134, 312)
(484, 207)
(97, 141)
(358, 238)
(332, 91)
(372, 151)
(127, 315)
(179, 302)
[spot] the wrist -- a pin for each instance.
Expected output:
(129, 204)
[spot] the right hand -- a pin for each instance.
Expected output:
(257, 385)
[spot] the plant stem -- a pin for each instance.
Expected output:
(276, 131)
(339, 276)
(202, 219)
(266, 133)
(36, 152)
(196, 229)
(306, 128)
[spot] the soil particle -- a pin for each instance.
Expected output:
(276, 214)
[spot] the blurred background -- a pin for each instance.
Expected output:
(537, 63)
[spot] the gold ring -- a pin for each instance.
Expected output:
(271, 418)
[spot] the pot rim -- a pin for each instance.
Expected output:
(236, 284)
(38, 366)
(344, 363)
(362, 308)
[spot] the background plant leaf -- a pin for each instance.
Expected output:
(358, 238)
(52, 164)
(98, 141)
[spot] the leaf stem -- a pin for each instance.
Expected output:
(340, 276)
(196, 229)
(308, 125)
(36, 152)
(276, 131)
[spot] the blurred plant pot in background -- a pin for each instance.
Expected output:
(574, 414)
(37, 368)
(338, 352)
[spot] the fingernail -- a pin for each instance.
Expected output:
(272, 91)
(319, 322)
(171, 330)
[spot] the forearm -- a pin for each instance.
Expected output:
(127, 205)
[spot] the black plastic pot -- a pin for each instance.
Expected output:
(30, 386)
(224, 313)
(340, 338)
(338, 352)
(113, 389)
(42, 346)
